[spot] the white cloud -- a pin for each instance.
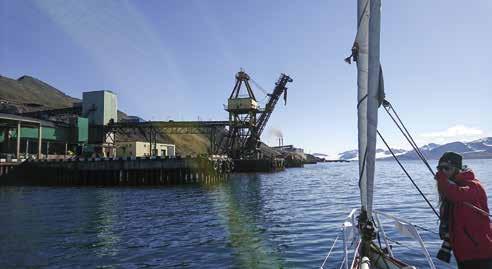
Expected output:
(454, 133)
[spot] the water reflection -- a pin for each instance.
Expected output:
(243, 215)
(286, 219)
(106, 206)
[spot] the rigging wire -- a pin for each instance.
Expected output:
(329, 252)
(414, 249)
(343, 263)
(408, 175)
(259, 86)
(425, 229)
(388, 107)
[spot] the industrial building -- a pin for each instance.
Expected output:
(80, 130)
(59, 132)
(90, 128)
(144, 149)
(23, 137)
(100, 107)
(291, 149)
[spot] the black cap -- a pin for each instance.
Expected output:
(452, 159)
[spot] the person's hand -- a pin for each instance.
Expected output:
(440, 176)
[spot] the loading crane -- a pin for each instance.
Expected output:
(280, 88)
(246, 119)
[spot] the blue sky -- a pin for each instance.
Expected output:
(177, 60)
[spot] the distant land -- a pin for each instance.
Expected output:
(477, 149)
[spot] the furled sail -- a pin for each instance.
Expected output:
(370, 93)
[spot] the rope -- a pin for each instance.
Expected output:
(329, 252)
(408, 175)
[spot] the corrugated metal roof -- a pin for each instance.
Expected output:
(28, 120)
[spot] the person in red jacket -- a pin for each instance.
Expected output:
(468, 222)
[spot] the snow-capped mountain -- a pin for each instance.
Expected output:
(481, 144)
(349, 155)
(477, 149)
(380, 153)
(430, 146)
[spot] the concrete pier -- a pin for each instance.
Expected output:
(116, 172)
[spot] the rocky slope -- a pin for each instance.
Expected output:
(28, 94)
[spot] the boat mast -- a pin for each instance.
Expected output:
(365, 52)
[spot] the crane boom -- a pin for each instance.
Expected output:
(246, 120)
(280, 88)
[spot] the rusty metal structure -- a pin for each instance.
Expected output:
(151, 130)
(238, 138)
(246, 119)
(243, 109)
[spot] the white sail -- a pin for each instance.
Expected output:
(370, 93)
(362, 226)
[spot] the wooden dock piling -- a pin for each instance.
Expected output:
(113, 172)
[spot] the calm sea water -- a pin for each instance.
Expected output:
(281, 220)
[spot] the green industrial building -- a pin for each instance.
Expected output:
(22, 137)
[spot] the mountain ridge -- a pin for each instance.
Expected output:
(27, 94)
(476, 149)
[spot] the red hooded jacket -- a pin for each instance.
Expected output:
(470, 230)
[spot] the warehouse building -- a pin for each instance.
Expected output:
(62, 132)
(81, 130)
(23, 137)
(143, 149)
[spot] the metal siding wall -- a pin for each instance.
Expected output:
(82, 130)
(49, 133)
(106, 106)
(110, 107)
(90, 100)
